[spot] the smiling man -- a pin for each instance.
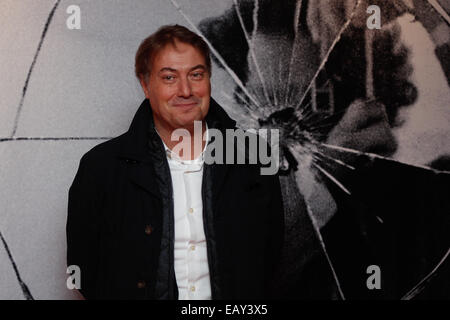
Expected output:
(148, 222)
(179, 87)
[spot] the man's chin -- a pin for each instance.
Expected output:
(187, 121)
(186, 118)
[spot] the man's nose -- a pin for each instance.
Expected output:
(184, 88)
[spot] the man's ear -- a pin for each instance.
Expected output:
(144, 85)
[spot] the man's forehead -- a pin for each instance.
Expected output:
(197, 67)
(178, 56)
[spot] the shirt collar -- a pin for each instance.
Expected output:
(174, 158)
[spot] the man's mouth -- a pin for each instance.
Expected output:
(187, 104)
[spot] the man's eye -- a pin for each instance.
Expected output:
(197, 75)
(169, 78)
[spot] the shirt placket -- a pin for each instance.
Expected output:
(193, 178)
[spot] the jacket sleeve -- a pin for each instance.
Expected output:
(82, 229)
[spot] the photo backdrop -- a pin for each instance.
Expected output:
(68, 84)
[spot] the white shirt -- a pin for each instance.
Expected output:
(190, 254)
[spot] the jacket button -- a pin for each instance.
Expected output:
(148, 229)
(141, 284)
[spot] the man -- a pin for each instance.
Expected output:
(146, 221)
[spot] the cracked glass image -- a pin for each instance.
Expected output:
(336, 90)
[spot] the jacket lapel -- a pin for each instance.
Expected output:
(218, 174)
(139, 144)
(141, 174)
(218, 119)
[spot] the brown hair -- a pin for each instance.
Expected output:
(164, 36)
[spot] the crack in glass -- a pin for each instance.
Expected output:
(302, 139)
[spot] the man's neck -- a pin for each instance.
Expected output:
(187, 142)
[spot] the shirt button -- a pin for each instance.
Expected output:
(192, 288)
(191, 210)
(148, 229)
(141, 284)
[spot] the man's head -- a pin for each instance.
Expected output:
(173, 66)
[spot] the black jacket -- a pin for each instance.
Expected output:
(120, 228)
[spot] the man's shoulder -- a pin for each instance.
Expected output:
(103, 152)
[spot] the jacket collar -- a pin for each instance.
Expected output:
(142, 129)
(141, 144)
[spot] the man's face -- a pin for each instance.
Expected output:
(178, 87)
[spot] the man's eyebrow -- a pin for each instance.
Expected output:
(199, 66)
(167, 69)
